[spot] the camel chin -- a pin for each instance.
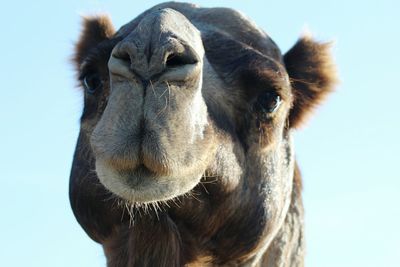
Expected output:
(141, 186)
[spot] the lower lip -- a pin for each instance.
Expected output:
(138, 176)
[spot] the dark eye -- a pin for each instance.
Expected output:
(267, 102)
(92, 83)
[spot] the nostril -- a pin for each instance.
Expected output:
(125, 51)
(176, 60)
(119, 64)
(123, 56)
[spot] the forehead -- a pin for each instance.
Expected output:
(209, 21)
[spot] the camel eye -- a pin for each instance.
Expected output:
(267, 102)
(92, 83)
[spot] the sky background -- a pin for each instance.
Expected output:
(348, 152)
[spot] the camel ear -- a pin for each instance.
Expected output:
(313, 76)
(95, 30)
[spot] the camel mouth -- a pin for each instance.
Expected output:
(142, 185)
(138, 177)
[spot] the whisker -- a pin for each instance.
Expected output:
(205, 189)
(152, 88)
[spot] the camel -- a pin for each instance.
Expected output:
(185, 154)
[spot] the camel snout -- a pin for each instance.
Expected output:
(177, 51)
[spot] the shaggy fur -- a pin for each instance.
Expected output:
(95, 30)
(246, 210)
(312, 74)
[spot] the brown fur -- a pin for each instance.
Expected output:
(95, 30)
(313, 77)
(228, 219)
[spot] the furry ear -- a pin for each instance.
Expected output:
(312, 74)
(95, 30)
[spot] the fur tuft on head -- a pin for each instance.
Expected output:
(95, 29)
(312, 74)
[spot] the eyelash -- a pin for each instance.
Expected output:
(92, 82)
(267, 103)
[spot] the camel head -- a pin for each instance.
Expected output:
(184, 98)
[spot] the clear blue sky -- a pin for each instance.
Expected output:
(348, 153)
